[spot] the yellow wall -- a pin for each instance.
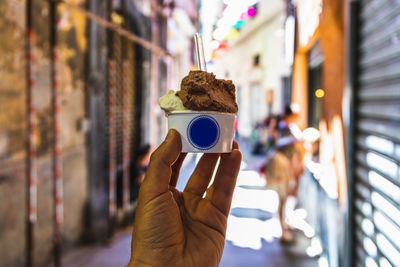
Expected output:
(299, 91)
(331, 34)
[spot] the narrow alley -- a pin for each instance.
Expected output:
(309, 88)
(253, 232)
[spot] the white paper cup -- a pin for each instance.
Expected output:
(203, 131)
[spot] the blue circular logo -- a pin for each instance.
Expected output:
(203, 132)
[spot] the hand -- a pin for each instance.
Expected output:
(175, 228)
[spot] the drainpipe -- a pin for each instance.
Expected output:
(57, 160)
(112, 145)
(31, 170)
(127, 113)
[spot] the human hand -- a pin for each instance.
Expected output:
(175, 228)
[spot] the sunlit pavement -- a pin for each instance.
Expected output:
(252, 237)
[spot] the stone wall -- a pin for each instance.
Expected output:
(72, 39)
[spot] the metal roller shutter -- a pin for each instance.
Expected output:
(376, 200)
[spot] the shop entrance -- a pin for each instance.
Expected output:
(314, 97)
(315, 66)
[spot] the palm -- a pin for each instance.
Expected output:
(175, 225)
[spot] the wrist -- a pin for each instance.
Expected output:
(138, 263)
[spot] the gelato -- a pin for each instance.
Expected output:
(170, 102)
(201, 91)
(203, 112)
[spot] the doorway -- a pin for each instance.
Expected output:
(315, 96)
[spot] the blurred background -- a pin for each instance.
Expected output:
(318, 89)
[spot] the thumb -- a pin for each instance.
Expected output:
(158, 174)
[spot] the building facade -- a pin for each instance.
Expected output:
(108, 63)
(258, 72)
(345, 74)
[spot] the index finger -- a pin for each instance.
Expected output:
(159, 172)
(176, 167)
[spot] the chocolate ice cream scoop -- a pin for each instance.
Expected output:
(201, 91)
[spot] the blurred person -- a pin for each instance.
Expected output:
(287, 125)
(264, 135)
(175, 228)
(282, 170)
(257, 138)
(272, 131)
(294, 151)
(277, 173)
(138, 170)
